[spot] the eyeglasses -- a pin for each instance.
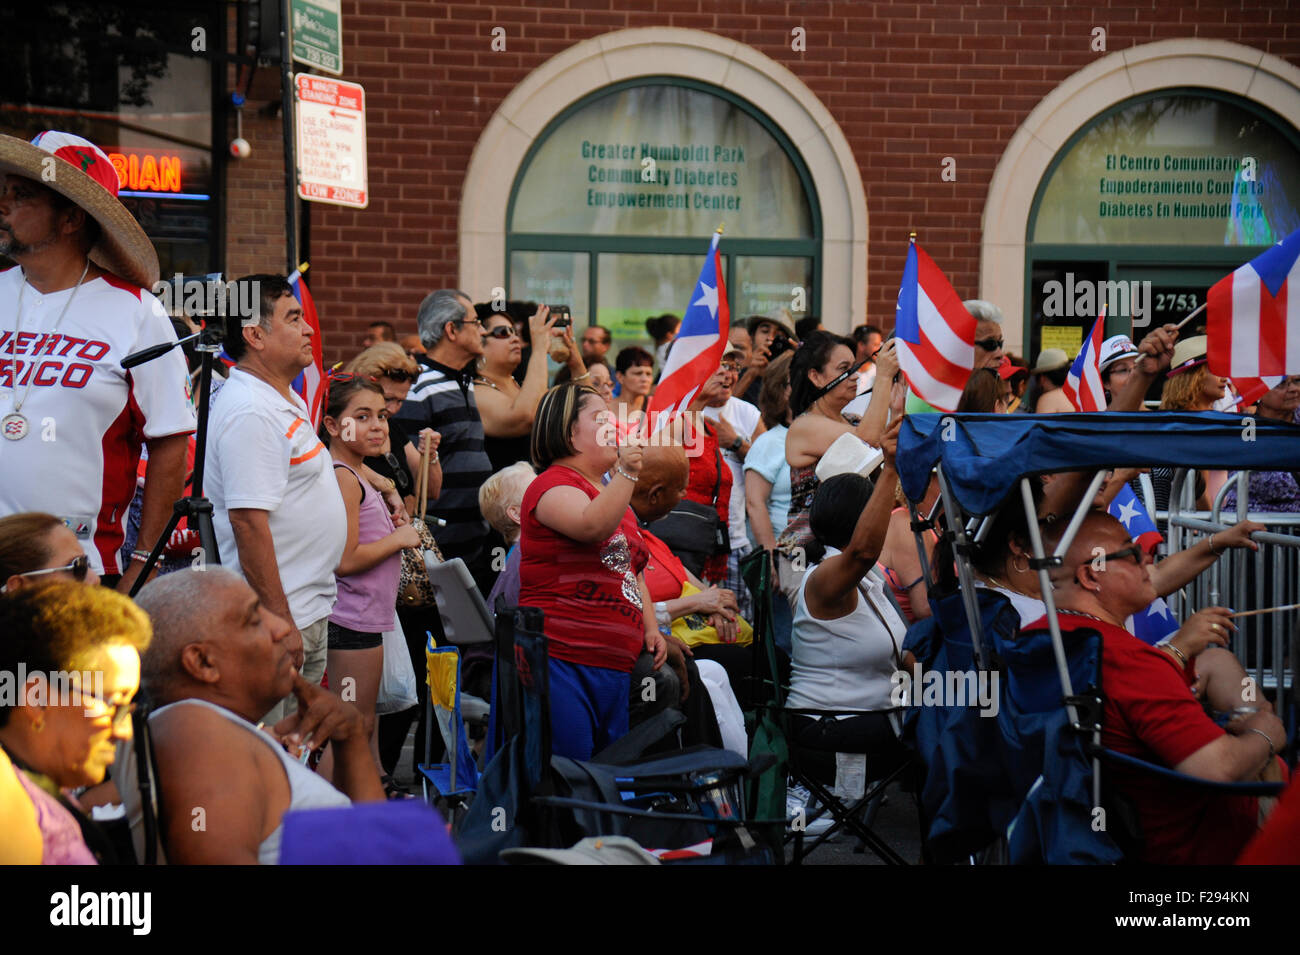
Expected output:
(990, 344)
(78, 569)
(467, 321)
(119, 713)
(398, 375)
(501, 332)
(399, 476)
(730, 366)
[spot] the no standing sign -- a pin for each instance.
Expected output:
(331, 140)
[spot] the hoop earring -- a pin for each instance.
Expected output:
(1016, 567)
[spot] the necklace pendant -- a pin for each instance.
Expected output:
(14, 426)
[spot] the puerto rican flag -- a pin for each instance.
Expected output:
(1253, 324)
(310, 384)
(1154, 624)
(697, 350)
(935, 333)
(1083, 381)
(1128, 510)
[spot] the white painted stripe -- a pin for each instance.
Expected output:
(1245, 323)
(927, 388)
(1292, 351)
(942, 337)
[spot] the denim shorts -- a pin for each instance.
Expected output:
(345, 638)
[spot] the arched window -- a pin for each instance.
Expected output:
(1149, 204)
(614, 204)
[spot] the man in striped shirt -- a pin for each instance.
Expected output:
(442, 398)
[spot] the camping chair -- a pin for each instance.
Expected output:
(774, 735)
(1043, 765)
(667, 802)
(456, 780)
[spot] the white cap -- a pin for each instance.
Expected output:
(1114, 349)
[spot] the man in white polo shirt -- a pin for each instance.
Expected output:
(279, 516)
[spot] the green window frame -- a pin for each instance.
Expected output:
(593, 245)
(1130, 258)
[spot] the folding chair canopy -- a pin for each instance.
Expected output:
(984, 455)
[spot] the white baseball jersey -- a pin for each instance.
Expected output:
(87, 416)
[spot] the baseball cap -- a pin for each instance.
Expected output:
(1114, 349)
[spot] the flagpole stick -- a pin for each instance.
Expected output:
(1196, 311)
(1252, 613)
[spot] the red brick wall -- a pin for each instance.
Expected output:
(909, 83)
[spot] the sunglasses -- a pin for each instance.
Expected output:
(78, 569)
(398, 375)
(501, 332)
(1133, 550)
(990, 344)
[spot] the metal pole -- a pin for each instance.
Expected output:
(290, 159)
(965, 578)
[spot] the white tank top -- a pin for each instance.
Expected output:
(306, 789)
(847, 663)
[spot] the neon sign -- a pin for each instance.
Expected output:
(147, 172)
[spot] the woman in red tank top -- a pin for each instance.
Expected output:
(581, 562)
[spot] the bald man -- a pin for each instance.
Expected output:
(219, 660)
(1151, 710)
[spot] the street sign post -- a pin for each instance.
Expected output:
(331, 140)
(317, 34)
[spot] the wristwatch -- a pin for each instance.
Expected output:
(737, 444)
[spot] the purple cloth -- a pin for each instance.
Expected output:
(60, 833)
(1269, 491)
(507, 584)
(399, 832)
(367, 600)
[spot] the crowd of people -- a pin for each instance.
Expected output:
(509, 439)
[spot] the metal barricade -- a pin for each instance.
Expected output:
(1266, 644)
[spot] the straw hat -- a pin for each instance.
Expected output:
(85, 175)
(1051, 359)
(1189, 353)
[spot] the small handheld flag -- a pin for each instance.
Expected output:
(1253, 325)
(1083, 381)
(697, 350)
(310, 385)
(935, 333)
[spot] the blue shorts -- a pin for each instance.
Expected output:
(588, 708)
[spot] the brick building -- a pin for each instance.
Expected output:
(1000, 132)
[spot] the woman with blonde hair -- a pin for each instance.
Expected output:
(1190, 386)
(80, 650)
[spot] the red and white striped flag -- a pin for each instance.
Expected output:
(1083, 381)
(935, 333)
(1253, 324)
(698, 347)
(310, 385)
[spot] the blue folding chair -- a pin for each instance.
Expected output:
(457, 779)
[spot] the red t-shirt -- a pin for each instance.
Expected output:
(1152, 714)
(588, 592)
(664, 573)
(708, 472)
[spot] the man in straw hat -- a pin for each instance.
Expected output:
(72, 420)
